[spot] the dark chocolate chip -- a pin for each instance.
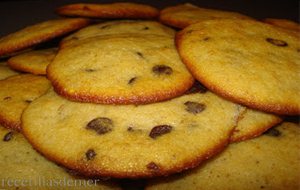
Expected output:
(273, 132)
(140, 54)
(28, 101)
(130, 129)
(206, 38)
(90, 154)
(105, 26)
(277, 42)
(194, 107)
(132, 80)
(153, 167)
(162, 69)
(146, 28)
(8, 136)
(7, 98)
(160, 130)
(196, 88)
(90, 70)
(101, 125)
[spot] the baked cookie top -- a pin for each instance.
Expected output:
(182, 15)
(130, 141)
(5, 71)
(253, 123)
(120, 70)
(22, 163)
(109, 10)
(34, 62)
(269, 162)
(16, 93)
(124, 27)
(37, 33)
(249, 62)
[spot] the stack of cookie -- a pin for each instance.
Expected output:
(138, 99)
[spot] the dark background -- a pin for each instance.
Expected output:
(16, 14)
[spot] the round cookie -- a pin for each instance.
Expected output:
(21, 164)
(120, 70)
(283, 23)
(130, 141)
(249, 62)
(5, 71)
(109, 10)
(182, 15)
(34, 62)
(124, 27)
(16, 93)
(253, 123)
(268, 162)
(38, 33)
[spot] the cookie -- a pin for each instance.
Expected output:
(283, 23)
(249, 62)
(38, 33)
(16, 93)
(34, 62)
(267, 162)
(5, 71)
(126, 27)
(22, 167)
(130, 141)
(109, 10)
(253, 123)
(135, 69)
(182, 15)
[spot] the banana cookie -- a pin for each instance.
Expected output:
(130, 141)
(38, 33)
(34, 62)
(109, 10)
(5, 71)
(124, 27)
(120, 70)
(16, 93)
(249, 62)
(271, 161)
(182, 15)
(22, 167)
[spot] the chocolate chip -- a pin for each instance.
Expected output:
(90, 154)
(7, 98)
(105, 26)
(273, 132)
(153, 167)
(28, 101)
(140, 54)
(206, 38)
(160, 130)
(277, 42)
(101, 125)
(8, 136)
(196, 88)
(162, 69)
(132, 80)
(90, 70)
(130, 129)
(194, 107)
(146, 28)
